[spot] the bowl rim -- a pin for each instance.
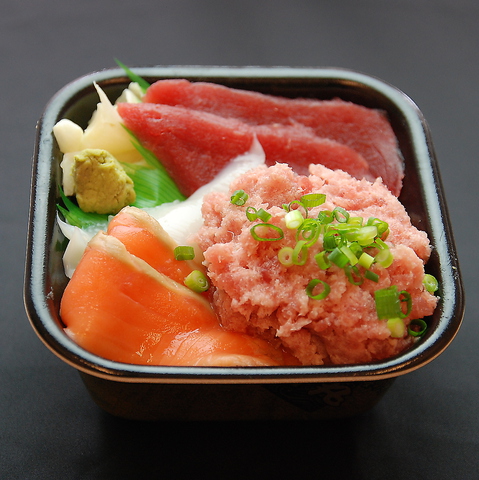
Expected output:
(38, 296)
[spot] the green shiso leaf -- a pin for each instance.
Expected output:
(75, 216)
(133, 76)
(153, 185)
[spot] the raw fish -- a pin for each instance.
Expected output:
(119, 307)
(363, 129)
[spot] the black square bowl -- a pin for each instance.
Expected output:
(168, 392)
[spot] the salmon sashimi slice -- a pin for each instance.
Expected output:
(120, 308)
(196, 157)
(192, 146)
(363, 129)
(144, 237)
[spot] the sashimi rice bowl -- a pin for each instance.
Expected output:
(242, 220)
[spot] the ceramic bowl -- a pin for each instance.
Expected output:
(165, 392)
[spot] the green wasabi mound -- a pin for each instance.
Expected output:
(101, 184)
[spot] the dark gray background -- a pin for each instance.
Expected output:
(427, 426)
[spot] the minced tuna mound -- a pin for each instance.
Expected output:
(254, 293)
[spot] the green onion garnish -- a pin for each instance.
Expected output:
(309, 230)
(293, 219)
(383, 227)
(371, 276)
(313, 199)
(430, 283)
(184, 252)
(289, 207)
(133, 76)
(348, 243)
(269, 227)
(300, 253)
(384, 257)
(366, 260)
(350, 254)
(325, 217)
(417, 328)
(341, 215)
(331, 239)
(197, 281)
(312, 285)
(338, 258)
(322, 260)
(388, 303)
(396, 327)
(353, 274)
(239, 197)
(252, 214)
(285, 256)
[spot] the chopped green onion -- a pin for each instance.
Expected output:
(371, 276)
(388, 302)
(396, 327)
(239, 197)
(325, 217)
(331, 240)
(252, 214)
(289, 207)
(366, 260)
(322, 260)
(263, 215)
(353, 274)
(405, 297)
(417, 328)
(311, 200)
(384, 257)
(285, 256)
(269, 227)
(383, 227)
(349, 253)
(311, 286)
(184, 252)
(300, 253)
(430, 283)
(364, 235)
(341, 215)
(197, 281)
(338, 258)
(357, 221)
(309, 230)
(356, 249)
(293, 219)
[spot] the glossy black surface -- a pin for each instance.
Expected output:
(426, 426)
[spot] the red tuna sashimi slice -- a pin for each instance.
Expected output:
(193, 146)
(299, 148)
(365, 130)
(120, 308)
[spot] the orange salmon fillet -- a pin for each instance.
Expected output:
(120, 308)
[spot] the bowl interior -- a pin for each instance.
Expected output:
(422, 196)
